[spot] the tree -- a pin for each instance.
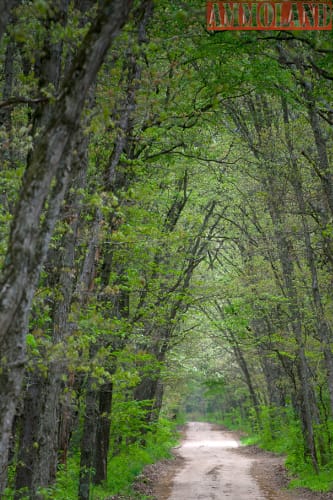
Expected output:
(49, 161)
(175, 199)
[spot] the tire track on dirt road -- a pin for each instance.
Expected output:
(213, 471)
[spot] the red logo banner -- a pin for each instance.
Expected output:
(273, 15)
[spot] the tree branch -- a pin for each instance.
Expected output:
(13, 101)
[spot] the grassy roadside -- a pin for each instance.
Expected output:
(122, 468)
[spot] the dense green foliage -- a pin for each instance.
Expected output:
(171, 252)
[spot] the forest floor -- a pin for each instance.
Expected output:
(210, 464)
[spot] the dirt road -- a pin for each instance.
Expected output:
(211, 471)
(210, 464)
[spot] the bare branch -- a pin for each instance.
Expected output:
(14, 101)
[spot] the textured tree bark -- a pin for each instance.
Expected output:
(44, 466)
(88, 440)
(30, 234)
(67, 419)
(6, 149)
(5, 114)
(37, 446)
(90, 423)
(28, 437)
(150, 394)
(6, 6)
(47, 71)
(42, 471)
(103, 432)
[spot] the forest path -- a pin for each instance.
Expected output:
(214, 468)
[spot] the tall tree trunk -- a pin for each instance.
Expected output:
(323, 326)
(275, 199)
(88, 440)
(118, 177)
(30, 233)
(28, 439)
(247, 376)
(285, 251)
(323, 168)
(291, 53)
(6, 7)
(5, 113)
(47, 72)
(103, 432)
(45, 466)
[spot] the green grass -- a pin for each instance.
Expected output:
(322, 482)
(250, 440)
(122, 469)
